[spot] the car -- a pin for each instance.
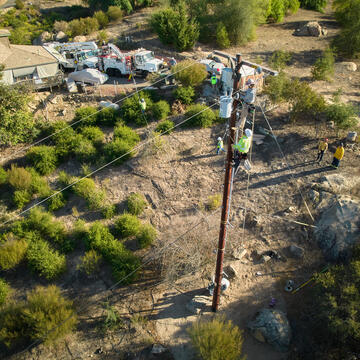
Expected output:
(213, 66)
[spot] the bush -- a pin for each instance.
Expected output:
(44, 260)
(102, 37)
(280, 59)
(120, 149)
(65, 138)
(85, 116)
(136, 204)
(12, 252)
(114, 13)
(19, 178)
(109, 211)
(127, 134)
(165, 127)
(94, 134)
(90, 25)
(213, 202)
(131, 110)
(343, 115)
(160, 110)
(56, 202)
(90, 262)
(87, 189)
(222, 36)
(21, 198)
(4, 291)
(3, 176)
(348, 41)
(217, 339)
(39, 185)
(199, 115)
(84, 149)
(61, 26)
(127, 225)
(190, 73)
(44, 310)
(107, 116)
(324, 66)
(43, 158)
(146, 236)
(76, 27)
(276, 87)
(19, 4)
(101, 18)
(317, 5)
(185, 94)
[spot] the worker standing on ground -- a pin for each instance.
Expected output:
(220, 146)
(248, 99)
(322, 148)
(339, 154)
(242, 148)
(143, 105)
(213, 80)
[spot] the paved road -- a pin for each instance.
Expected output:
(7, 4)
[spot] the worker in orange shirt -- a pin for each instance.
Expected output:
(322, 148)
(339, 154)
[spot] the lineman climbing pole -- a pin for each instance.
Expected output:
(227, 189)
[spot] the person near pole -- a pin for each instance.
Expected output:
(213, 80)
(322, 148)
(242, 148)
(339, 154)
(248, 99)
(219, 146)
(143, 105)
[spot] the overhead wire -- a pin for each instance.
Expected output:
(86, 117)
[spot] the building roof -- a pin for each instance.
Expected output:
(20, 56)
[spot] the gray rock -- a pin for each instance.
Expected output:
(265, 258)
(351, 136)
(337, 230)
(80, 38)
(296, 251)
(312, 28)
(272, 326)
(61, 36)
(42, 38)
(230, 272)
(239, 253)
(157, 349)
(198, 304)
(345, 66)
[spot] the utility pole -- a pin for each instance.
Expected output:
(226, 194)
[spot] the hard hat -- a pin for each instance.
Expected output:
(250, 82)
(142, 100)
(342, 145)
(248, 133)
(219, 138)
(326, 139)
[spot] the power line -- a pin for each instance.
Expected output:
(104, 166)
(86, 117)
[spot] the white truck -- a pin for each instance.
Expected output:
(77, 55)
(140, 62)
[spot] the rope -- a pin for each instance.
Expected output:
(287, 164)
(84, 118)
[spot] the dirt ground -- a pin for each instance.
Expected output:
(177, 182)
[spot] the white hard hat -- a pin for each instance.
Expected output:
(250, 82)
(219, 138)
(142, 100)
(248, 133)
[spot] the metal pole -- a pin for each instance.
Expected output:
(226, 195)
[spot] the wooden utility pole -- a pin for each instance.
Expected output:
(226, 195)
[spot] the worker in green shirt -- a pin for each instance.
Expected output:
(242, 148)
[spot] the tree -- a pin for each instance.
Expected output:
(190, 73)
(324, 66)
(318, 5)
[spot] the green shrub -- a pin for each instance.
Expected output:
(90, 25)
(61, 26)
(45, 261)
(12, 252)
(136, 204)
(86, 116)
(93, 133)
(114, 13)
(222, 36)
(39, 185)
(185, 94)
(146, 236)
(160, 110)
(199, 115)
(190, 73)
(127, 225)
(166, 126)
(213, 202)
(43, 158)
(102, 37)
(19, 4)
(3, 176)
(217, 339)
(347, 42)
(44, 310)
(280, 59)
(87, 189)
(107, 116)
(4, 291)
(65, 138)
(109, 211)
(343, 115)
(76, 27)
(84, 149)
(19, 178)
(21, 198)
(56, 202)
(127, 134)
(118, 148)
(276, 87)
(101, 18)
(317, 5)
(90, 262)
(131, 110)
(324, 67)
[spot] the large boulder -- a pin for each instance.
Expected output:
(42, 38)
(272, 326)
(312, 28)
(61, 36)
(338, 230)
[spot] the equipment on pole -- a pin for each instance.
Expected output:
(225, 106)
